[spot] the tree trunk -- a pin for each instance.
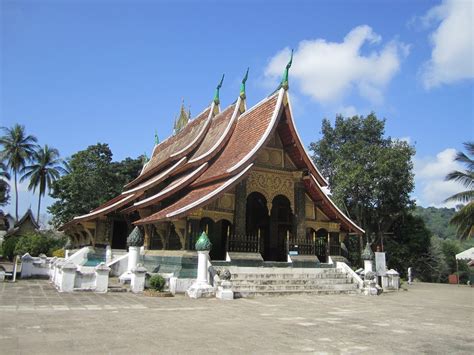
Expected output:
(39, 205)
(16, 195)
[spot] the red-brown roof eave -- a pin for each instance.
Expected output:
(195, 198)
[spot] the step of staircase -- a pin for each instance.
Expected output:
(252, 282)
(116, 286)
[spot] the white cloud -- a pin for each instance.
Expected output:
(430, 173)
(452, 57)
(327, 71)
(347, 111)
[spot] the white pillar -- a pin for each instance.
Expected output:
(137, 283)
(203, 258)
(133, 254)
(101, 278)
(108, 254)
(368, 266)
(26, 266)
(68, 271)
(201, 288)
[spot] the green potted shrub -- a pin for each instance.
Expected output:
(156, 285)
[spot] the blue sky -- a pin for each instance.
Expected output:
(80, 72)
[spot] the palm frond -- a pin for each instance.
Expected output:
(463, 220)
(463, 196)
(465, 178)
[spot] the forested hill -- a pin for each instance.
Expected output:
(437, 220)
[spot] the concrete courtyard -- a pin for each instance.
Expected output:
(428, 318)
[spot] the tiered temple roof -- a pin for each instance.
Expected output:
(211, 153)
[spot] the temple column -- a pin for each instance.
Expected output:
(240, 208)
(180, 229)
(300, 210)
(192, 231)
(147, 230)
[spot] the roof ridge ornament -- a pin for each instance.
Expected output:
(284, 79)
(145, 159)
(182, 119)
(216, 96)
(242, 86)
(157, 139)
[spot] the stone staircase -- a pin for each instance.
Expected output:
(250, 282)
(116, 286)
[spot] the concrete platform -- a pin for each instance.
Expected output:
(429, 318)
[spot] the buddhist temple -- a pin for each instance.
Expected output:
(240, 174)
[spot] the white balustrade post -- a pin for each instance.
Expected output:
(201, 288)
(108, 254)
(133, 254)
(101, 278)
(26, 266)
(137, 283)
(68, 277)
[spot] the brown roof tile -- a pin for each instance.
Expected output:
(217, 128)
(189, 137)
(199, 197)
(249, 129)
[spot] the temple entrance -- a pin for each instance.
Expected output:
(257, 219)
(119, 235)
(322, 245)
(280, 228)
(222, 230)
(218, 234)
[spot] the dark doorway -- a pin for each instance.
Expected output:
(218, 238)
(280, 228)
(257, 219)
(119, 235)
(322, 245)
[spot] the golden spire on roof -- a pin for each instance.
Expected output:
(182, 120)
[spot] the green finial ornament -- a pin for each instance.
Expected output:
(367, 254)
(242, 86)
(203, 243)
(145, 159)
(284, 79)
(216, 96)
(135, 239)
(157, 139)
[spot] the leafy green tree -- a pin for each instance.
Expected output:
(38, 243)
(46, 169)
(370, 176)
(17, 149)
(8, 247)
(92, 180)
(437, 220)
(409, 245)
(436, 268)
(4, 186)
(463, 220)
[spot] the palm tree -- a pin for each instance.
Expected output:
(4, 187)
(464, 218)
(45, 169)
(17, 150)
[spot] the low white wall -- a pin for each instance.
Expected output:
(68, 277)
(180, 285)
(35, 266)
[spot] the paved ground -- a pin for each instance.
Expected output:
(429, 318)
